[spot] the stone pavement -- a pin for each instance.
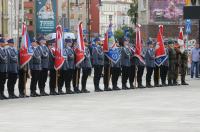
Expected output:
(166, 109)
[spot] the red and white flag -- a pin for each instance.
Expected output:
(105, 43)
(160, 47)
(138, 46)
(59, 59)
(79, 51)
(161, 29)
(181, 40)
(160, 53)
(26, 51)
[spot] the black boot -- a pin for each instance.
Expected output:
(170, 83)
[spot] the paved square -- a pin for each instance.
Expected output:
(166, 109)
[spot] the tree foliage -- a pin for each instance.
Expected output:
(132, 12)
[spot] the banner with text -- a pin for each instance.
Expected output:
(45, 11)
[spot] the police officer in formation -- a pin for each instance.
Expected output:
(129, 65)
(12, 68)
(150, 63)
(125, 63)
(98, 63)
(165, 66)
(3, 68)
(45, 65)
(86, 67)
(35, 68)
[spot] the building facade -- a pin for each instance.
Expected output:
(169, 13)
(11, 14)
(114, 11)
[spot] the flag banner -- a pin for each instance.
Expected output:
(181, 40)
(26, 50)
(105, 43)
(59, 59)
(161, 28)
(80, 49)
(109, 47)
(160, 53)
(138, 46)
(114, 54)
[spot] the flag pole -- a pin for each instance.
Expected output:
(109, 73)
(135, 79)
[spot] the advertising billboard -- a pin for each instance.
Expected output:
(45, 11)
(166, 10)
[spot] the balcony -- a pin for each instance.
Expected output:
(29, 4)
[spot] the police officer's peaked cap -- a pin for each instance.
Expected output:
(11, 41)
(41, 38)
(150, 42)
(51, 41)
(2, 40)
(33, 40)
(68, 40)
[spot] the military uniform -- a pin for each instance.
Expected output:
(150, 65)
(86, 66)
(12, 69)
(35, 67)
(106, 75)
(116, 72)
(125, 64)
(98, 62)
(183, 66)
(45, 67)
(172, 66)
(3, 69)
(132, 68)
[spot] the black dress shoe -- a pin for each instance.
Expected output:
(60, 92)
(35, 94)
(13, 97)
(107, 89)
(184, 83)
(69, 92)
(141, 86)
(53, 93)
(85, 91)
(98, 90)
(124, 87)
(44, 94)
(2, 97)
(132, 87)
(77, 91)
(116, 88)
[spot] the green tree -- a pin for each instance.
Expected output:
(119, 33)
(132, 12)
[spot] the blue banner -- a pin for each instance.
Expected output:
(113, 54)
(45, 11)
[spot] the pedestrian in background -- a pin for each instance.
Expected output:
(195, 61)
